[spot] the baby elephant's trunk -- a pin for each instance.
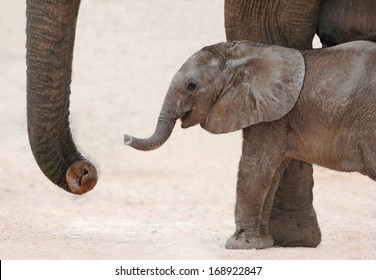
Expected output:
(166, 122)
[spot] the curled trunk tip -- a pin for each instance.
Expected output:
(160, 136)
(81, 177)
(127, 139)
(166, 123)
(143, 144)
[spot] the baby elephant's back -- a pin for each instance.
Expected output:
(357, 75)
(338, 76)
(360, 59)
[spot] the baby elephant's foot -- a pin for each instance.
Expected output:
(240, 240)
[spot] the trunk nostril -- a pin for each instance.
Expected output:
(81, 177)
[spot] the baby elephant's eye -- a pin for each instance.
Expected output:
(191, 86)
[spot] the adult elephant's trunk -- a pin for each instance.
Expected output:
(50, 34)
(166, 122)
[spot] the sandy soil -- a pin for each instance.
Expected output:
(173, 203)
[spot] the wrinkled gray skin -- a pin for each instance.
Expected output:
(316, 106)
(50, 33)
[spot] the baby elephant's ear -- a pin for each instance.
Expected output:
(264, 84)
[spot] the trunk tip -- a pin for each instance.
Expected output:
(81, 177)
(127, 139)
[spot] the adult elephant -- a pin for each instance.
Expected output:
(50, 39)
(293, 23)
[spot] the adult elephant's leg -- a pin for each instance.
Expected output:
(293, 220)
(50, 33)
(286, 23)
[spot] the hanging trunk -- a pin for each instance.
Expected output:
(50, 34)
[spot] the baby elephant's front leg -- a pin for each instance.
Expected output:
(260, 170)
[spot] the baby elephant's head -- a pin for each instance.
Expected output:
(227, 87)
(198, 84)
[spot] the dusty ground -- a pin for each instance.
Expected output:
(173, 203)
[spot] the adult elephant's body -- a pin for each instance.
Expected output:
(289, 23)
(343, 21)
(293, 23)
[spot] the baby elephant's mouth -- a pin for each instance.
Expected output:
(184, 119)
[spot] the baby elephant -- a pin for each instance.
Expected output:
(318, 106)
